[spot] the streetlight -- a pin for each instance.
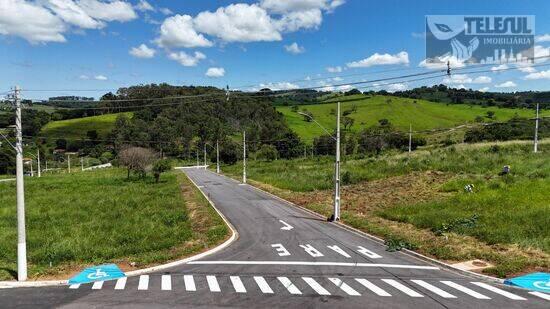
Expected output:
(336, 213)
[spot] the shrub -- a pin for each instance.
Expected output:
(267, 153)
(160, 167)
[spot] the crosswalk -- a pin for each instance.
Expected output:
(343, 286)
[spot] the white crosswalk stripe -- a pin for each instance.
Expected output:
(433, 289)
(237, 284)
(369, 285)
(346, 288)
(97, 285)
(213, 284)
(316, 286)
(166, 283)
(189, 283)
(143, 282)
(541, 295)
(121, 283)
(401, 287)
(263, 285)
(466, 290)
(292, 289)
(498, 291)
(74, 286)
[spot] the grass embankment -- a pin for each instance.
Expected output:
(401, 112)
(78, 127)
(80, 219)
(420, 202)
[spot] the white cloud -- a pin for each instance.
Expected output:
(482, 80)
(498, 68)
(484, 89)
(344, 88)
(508, 84)
(461, 86)
(166, 11)
(458, 79)
(337, 69)
(144, 6)
(541, 53)
(381, 59)
(441, 63)
(142, 51)
(73, 14)
(108, 11)
(538, 75)
(30, 21)
(84, 77)
(337, 79)
(238, 23)
(294, 48)
(280, 86)
(185, 59)
(294, 21)
(100, 77)
(286, 6)
(397, 87)
(215, 72)
(542, 38)
(178, 31)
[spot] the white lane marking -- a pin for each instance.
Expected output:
(466, 290)
(498, 291)
(434, 289)
(121, 283)
(262, 284)
(339, 250)
(237, 284)
(368, 253)
(369, 285)
(143, 282)
(166, 283)
(189, 283)
(74, 286)
(346, 288)
(401, 287)
(286, 227)
(302, 263)
(311, 251)
(316, 286)
(213, 284)
(280, 249)
(541, 295)
(289, 285)
(97, 285)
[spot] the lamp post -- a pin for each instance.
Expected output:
(336, 212)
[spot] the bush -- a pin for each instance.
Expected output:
(136, 159)
(161, 166)
(267, 153)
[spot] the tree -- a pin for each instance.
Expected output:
(267, 152)
(160, 167)
(347, 122)
(490, 114)
(308, 116)
(136, 159)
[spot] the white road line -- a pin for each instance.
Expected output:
(316, 286)
(213, 284)
(143, 282)
(121, 283)
(74, 286)
(346, 288)
(498, 291)
(237, 284)
(97, 285)
(466, 290)
(401, 287)
(166, 283)
(369, 285)
(289, 285)
(262, 284)
(541, 295)
(302, 263)
(189, 283)
(434, 289)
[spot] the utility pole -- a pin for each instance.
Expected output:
(204, 155)
(217, 157)
(21, 237)
(82, 164)
(336, 215)
(537, 130)
(197, 151)
(38, 161)
(410, 137)
(69, 162)
(244, 156)
(32, 171)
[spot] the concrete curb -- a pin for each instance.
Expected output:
(49, 283)
(381, 241)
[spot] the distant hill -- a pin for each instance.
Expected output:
(77, 128)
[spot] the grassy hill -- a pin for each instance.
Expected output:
(77, 128)
(401, 112)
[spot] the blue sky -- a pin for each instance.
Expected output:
(86, 44)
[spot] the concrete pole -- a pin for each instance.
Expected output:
(82, 164)
(38, 161)
(217, 157)
(205, 155)
(537, 130)
(244, 156)
(336, 215)
(21, 234)
(197, 151)
(410, 137)
(32, 171)
(69, 162)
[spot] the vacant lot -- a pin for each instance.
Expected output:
(77, 128)
(79, 219)
(420, 201)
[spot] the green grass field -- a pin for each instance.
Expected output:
(423, 115)
(96, 217)
(77, 128)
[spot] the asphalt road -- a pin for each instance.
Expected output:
(284, 257)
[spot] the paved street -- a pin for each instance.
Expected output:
(285, 257)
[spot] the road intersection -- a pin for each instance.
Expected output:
(285, 257)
